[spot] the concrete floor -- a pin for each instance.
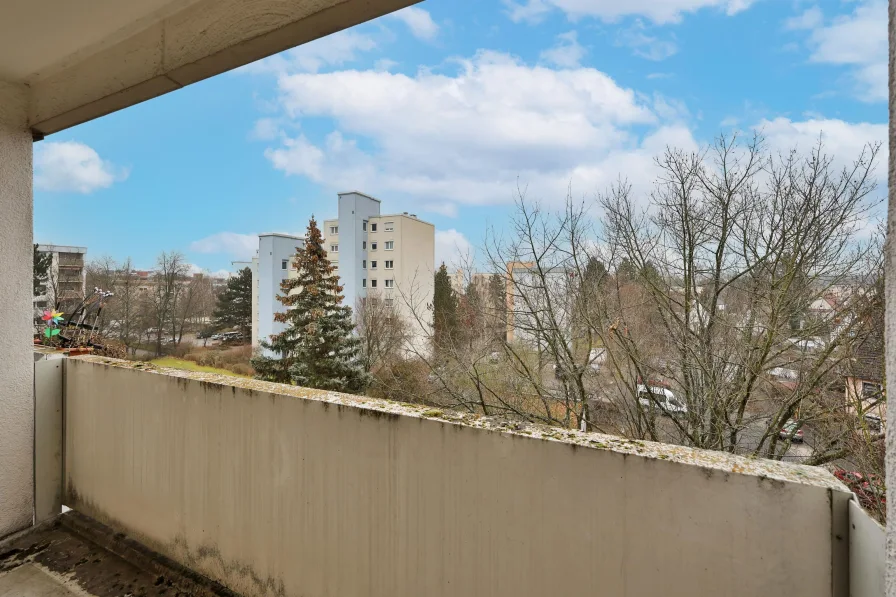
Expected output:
(33, 580)
(76, 556)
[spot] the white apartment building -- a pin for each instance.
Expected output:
(390, 255)
(67, 277)
(269, 268)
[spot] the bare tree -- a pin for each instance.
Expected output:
(382, 330)
(194, 303)
(521, 351)
(727, 257)
(171, 269)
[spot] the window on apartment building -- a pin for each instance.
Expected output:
(390, 244)
(363, 264)
(871, 390)
(373, 246)
(388, 302)
(373, 227)
(389, 226)
(390, 283)
(390, 264)
(284, 264)
(373, 265)
(364, 283)
(334, 229)
(334, 248)
(363, 245)
(364, 225)
(373, 283)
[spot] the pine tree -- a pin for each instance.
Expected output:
(444, 306)
(595, 274)
(497, 290)
(234, 307)
(317, 349)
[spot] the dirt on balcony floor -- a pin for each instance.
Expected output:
(73, 555)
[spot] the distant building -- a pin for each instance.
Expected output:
(66, 282)
(389, 255)
(461, 279)
(528, 293)
(864, 379)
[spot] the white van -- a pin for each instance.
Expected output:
(662, 398)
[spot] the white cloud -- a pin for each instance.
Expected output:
(472, 137)
(808, 19)
(858, 40)
(644, 45)
(843, 141)
(568, 52)
(241, 247)
(657, 11)
(73, 167)
(337, 49)
(475, 136)
(265, 129)
(298, 156)
(452, 247)
(419, 21)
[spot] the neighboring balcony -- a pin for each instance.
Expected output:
(279, 490)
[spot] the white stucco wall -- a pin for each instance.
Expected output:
(16, 362)
(272, 250)
(354, 208)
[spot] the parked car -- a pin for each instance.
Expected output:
(808, 344)
(791, 429)
(662, 398)
(596, 358)
(216, 337)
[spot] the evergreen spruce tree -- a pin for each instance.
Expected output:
(497, 290)
(444, 306)
(317, 349)
(234, 306)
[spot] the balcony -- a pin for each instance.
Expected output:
(192, 484)
(271, 489)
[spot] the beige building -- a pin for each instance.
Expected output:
(391, 256)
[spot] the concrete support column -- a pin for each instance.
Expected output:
(16, 360)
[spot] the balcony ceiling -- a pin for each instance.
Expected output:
(39, 37)
(76, 60)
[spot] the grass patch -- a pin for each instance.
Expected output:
(184, 365)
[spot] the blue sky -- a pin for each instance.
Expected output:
(443, 108)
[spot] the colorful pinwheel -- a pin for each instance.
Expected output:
(52, 318)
